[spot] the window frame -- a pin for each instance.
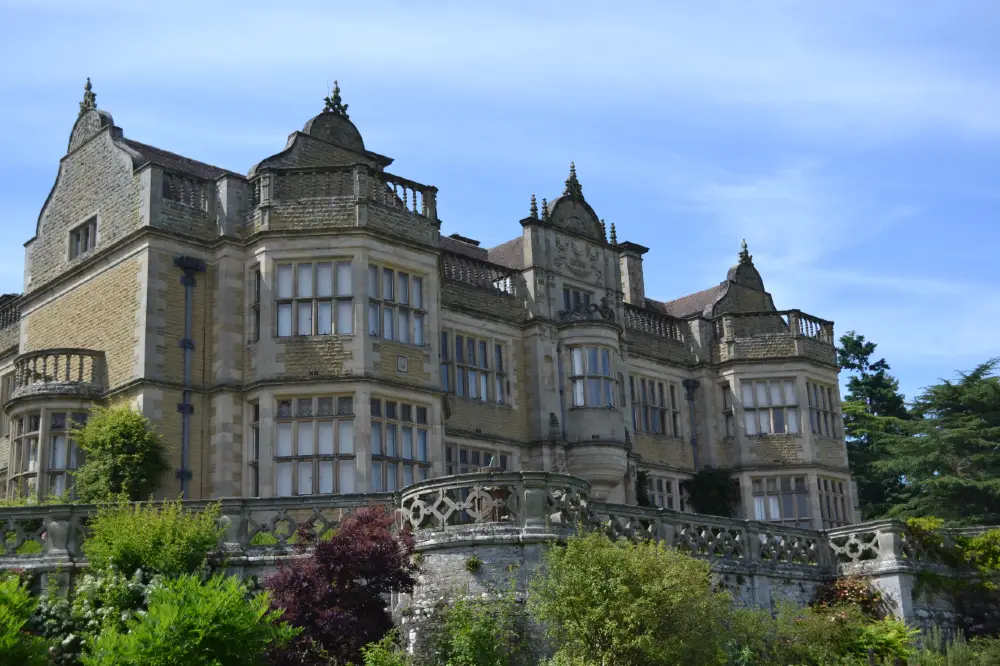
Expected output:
(296, 303)
(256, 283)
(295, 416)
(659, 416)
(834, 505)
(574, 298)
(475, 457)
(770, 497)
(728, 412)
(253, 453)
(666, 492)
(18, 472)
(792, 424)
(582, 377)
(409, 315)
(73, 456)
(83, 238)
(490, 368)
(404, 416)
(824, 411)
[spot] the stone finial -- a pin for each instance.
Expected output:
(534, 208)
(333, 103)
(614, 234)
(545, 209)
(89, 98)
(745, 256)
(604, 230)
(573, 187)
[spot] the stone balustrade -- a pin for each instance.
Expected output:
(653, 323)
(74, 372)
(781, 333)
(478, 273)
(10, 313)
(505, 520)
(409, 195)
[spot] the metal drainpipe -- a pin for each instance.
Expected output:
(190, 266)
(690, 385)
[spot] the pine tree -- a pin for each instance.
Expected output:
(949, 455)
(873, 409)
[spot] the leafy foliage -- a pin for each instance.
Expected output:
(479, 632)
(642, 488)
(711, 491)
(627, 604)
(165, 539)
(335, 594)
(873, 407)
(385, 652)
(194, 623)
(17, 646)
(125, 456)
(949, 455)
(852, 591)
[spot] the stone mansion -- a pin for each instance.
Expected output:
(306, 329)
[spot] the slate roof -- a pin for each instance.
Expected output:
(175, 162)
(509, 254)
(465, 249)
(687, 305)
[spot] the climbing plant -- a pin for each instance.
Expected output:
(711, 491)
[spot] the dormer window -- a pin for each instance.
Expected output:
(83, 238)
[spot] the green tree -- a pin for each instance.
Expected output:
(873, 408)
(125, 456)
(190, 623)
(17, 646)
(164, 539)
(628, 604)
(949, 455)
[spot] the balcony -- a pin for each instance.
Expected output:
(77, 373)
(765, 335)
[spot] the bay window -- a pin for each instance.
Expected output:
(396, 308)
(64, 455)
(591, 380)
(770, 407)
(400, 445)
(253, 455)
(314, 446)
(833, 502)
(314, 298)
(728, 413)
(23, 464)
(781, 499)
(824, 416)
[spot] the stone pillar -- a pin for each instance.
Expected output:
(630, 261)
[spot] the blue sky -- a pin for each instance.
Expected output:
(853, 144)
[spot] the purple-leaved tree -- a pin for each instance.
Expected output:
(336, 594)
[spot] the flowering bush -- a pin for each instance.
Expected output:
(852, 592)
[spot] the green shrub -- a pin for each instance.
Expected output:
(628, 604)
(479, 632)
(125, 456)
(384, 653)
(957, 652)
(165, 540)
(17, 646)
(188, 622)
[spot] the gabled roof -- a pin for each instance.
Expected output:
(175, 162)
(687, 305)
(509, 254)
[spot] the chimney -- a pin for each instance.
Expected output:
(630, 260)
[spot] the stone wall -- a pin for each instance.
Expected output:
(99, 314)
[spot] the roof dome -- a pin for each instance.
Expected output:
(334, 126)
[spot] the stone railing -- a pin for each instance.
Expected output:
(356, 181)
(185, 190)
(653, 323)
(75, 372)
(10, 313)
(478, 273)
(397, 192)
(772, 334)
(47, 536)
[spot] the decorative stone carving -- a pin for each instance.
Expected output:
(591, 312)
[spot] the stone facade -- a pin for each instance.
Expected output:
(307, 329)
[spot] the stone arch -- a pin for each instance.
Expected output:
(574, 215)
